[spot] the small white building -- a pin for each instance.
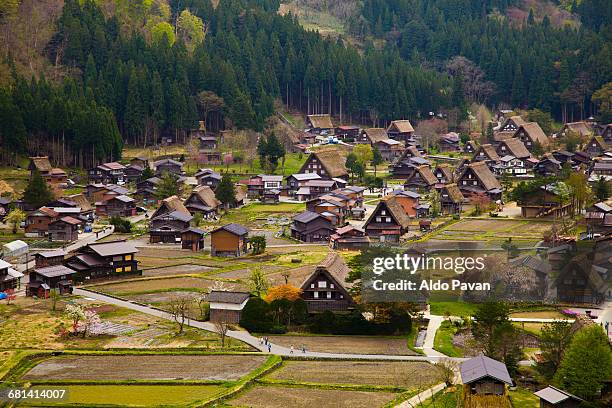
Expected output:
(14, 249)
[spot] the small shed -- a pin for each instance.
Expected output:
(14, 249)
(193, 238)
(226, 306)
(485, 375)
(229, 240)
(554, 397)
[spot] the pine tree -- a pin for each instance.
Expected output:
(167, 186)
(37, 193)
(225, 191)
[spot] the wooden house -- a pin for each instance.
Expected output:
(486, 153)
(120, 206)
(208, 142)
(390, 149)
(146, 190)
(299, 180)
(583, 129)
(388, 222)
(64, 229)
(170, 204)
(348, 133)
(451, 199)
(444, 173)
(547, 166)
(254, 186)
(532, 135)
(484, 376)
(511, 165)
(478, 179)
(315, 188)
(271, 196)
(470, 147)
(373, 135)
(409, 200)
(598, 218)
(403, 166)
(326, 288)
(37, 222)
(168, 227)
(401, 130)
(544, 202)
(227, 306)
(95, 192)
(563, 156)
(319, 124)
(133, 172)
(229, 240)
(44, 279)
(449, 142)
(605, 131)
(9, 277)
(421, 179)
(240, 194)
(310, 226)
(349, 238)
(511, 124)
(140, 161)
(49, 258)
(512, 147)
(168, 166)
(596, 147)
(208, 155)
(5, 203)
(580, 282)
(271, 182)
(54, 176)
(552, 397)
(333, 210)
(193, 239)
(202, 200)
(107, 173)
(208, 177)
(105, 259)
(327, 163)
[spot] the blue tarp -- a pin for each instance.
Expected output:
(2, 295)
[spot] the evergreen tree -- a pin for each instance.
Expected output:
(602, 189)
(168, 186)
(377, 158)
(225, 191)
(37, 192)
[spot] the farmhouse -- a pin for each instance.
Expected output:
(37, 222)
(133, 172)
(52, 175)
(328, 164)
(168, 166)
(470, 147)
(168, 227)
(9, 277)
(580, 282)
(486, 153)
(229, 240)
(226, 306)
(544, 202)
(511, 124)
(107, 173)
(325, 288)
(140, 161)
(404, 164)
(451, 199)
(99, 260)
(485, 376)
(43, 279)
(388, 222)
(193, 239)
(202, 200)
(512, 147)
(478, 179)
(581, 128)
(49, 258)
(401, 130)
(547, 166)
(409, 200)
(170, 204)
(64, 229)
(208, 177)
(511, 165)
(310, 226)
(552, 397)
(349, 238)
(596, 147)
(319, 123)
(121, 206)
(421, 178)
(532, 136)
(348, 133)
(389, 149)
(449, 142)
(146, 190)
(96, 192)
(373, 135)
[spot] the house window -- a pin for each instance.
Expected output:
(332, 286)
(329, 295)
(378, 219)
(388, 219)
(322, 284)
(118, 269)
(312, 285)
(316, 295)
(128, 268)
(128, 257)
(383, 212)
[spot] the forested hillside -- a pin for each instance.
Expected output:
(531, 62)
(156, 66)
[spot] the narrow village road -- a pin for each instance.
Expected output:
(252, 340)
(430, 335)
(421, 397)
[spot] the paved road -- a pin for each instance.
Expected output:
(251, 340)
(421, 397)
(430, 335)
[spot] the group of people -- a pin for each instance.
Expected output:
(265, 341)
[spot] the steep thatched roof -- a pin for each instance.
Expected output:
(81, 201)
(427, 174)
(516, 148)
(454, 193)
(375, 135)
(581, 128)
(40, 163)
(396, 210)
(489, 152)
(535, 133)
(320, 121)
(171, 204)
(446, 170)
(401, 126)
(206, 196)
(484, 174)
(333, 161)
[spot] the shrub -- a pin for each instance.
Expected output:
(121, 225)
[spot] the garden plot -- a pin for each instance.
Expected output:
(185, 269)
(396, 373)
(143, 286)
(347, 344)
(282, 397)
(143, 367)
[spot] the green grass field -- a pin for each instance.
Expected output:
(136, 395)
(452, 308)
(444, 340)
(522, 398)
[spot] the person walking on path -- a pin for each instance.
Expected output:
(269, 347)
(291, 349)
(303, 348)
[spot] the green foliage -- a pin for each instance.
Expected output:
(147, 173)
(587, 363)
(14, 218)
(554, 339)
(270, 151)
(602, 189)
(255, 316)
(258, 243)
(225, 191)
(544, 119)
(258, 282)
(168, 186)
(191, 29)
(37, 193)
(122, 225)
(163, 32)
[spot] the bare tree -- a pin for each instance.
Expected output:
(475, 87)
(202, 303)
(54, 298)
(179, 308)
(222, 327)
